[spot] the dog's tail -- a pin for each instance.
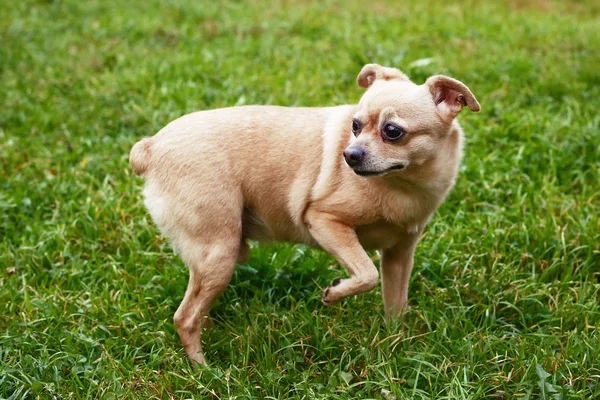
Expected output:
(141, 156)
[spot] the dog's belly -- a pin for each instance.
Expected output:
(281, 229)
(372, 236)
(379, 235)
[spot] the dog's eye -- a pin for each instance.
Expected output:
(393, 132)
(355, 127)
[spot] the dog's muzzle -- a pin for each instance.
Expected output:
(354, 155)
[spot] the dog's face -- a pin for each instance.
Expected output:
(399, 125)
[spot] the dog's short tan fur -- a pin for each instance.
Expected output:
(217, 178)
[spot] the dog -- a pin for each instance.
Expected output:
(344, 179)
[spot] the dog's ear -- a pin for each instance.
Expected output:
(372, 72)
(450, 95)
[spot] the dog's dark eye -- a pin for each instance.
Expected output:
(355, 127)
(393, 132)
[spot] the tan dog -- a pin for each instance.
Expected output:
(344, 179)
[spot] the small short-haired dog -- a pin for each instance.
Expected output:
(343, 179)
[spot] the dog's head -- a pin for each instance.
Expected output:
(398, 125)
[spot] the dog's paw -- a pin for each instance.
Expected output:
(329, 297)
(325, 297)
(199, 362)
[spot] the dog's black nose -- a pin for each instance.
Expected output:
(354, 155)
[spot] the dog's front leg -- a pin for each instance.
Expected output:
(340, 240)
(396, 266)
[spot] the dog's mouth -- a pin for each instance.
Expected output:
(379, 173)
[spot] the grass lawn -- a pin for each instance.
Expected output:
(505, 292)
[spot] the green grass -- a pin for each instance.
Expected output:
(505, 294)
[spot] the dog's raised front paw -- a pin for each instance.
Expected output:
(329, 295)
(325, 297)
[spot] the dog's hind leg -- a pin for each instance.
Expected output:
(211, 266)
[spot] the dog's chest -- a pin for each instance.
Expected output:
(396, 216)
(407, 209)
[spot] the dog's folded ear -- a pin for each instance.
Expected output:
(371, 72)
(451, 95)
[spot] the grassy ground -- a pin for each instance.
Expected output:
(504, 297)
